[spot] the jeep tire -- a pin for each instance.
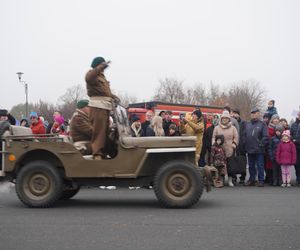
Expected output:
(178, 184)
(39, 184)
(69, 193)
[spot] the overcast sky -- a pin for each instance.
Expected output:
(225, 41)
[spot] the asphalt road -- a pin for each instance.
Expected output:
(227, 218)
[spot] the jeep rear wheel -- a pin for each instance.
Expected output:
(178, 184)
(39, 184)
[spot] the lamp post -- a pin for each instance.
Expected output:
(26, 90)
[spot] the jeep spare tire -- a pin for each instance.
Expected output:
(39, 184)
(178, 184)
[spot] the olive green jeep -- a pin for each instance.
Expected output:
(49, 168)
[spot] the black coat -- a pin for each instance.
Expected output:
(166, 125)
(274, 142)
(145, 125)
(295, 133)
(256, 137)
(207, 138)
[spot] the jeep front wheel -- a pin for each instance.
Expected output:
(39, 184)
(178, 184)
(69, 193)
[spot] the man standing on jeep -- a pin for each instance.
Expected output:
(81, 129)
(101, 103)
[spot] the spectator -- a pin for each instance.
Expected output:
(274, 142)
(173, 130)
(167, 122)
(195, 127)
(208, 138)
(233, 121)
(37, 126)
(274, 121)
(50, 124)
(266, 119)
(295, 134)
(241, 147)
(231, 138)
(256, 140)
(24, 122)
(219, 159)
(162, 114)
(146, 123)
(283, 122)
(286, 157)
(155, 128)
(136, 127)
(57, 127)
(81, 129)
(6, 116)
(271, 110)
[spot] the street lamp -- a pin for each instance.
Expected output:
(26, 90)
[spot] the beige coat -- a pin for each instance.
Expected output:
(193, 128)
(231, 137)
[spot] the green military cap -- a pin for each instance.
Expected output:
(82, 103)
(97, 60)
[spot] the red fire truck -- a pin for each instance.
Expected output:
(141, 108)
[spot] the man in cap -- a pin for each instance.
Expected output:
(101, 103)
(81, 129)
(256, 139)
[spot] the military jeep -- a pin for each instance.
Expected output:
(49, 168)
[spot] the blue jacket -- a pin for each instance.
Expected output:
(256, 137)
(295, 133)
(270, 112)
(274, 142)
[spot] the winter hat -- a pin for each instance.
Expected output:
(3, 112)
(221, 137)
(33, 114)
(97, 60)
(254, 110)
(59, 119)
(279, 128)
(287, 133)
(135, 118)
(275, 116)
(225, 114)
(198, 113)
(82, 103)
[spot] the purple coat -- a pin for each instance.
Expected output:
(286, 153)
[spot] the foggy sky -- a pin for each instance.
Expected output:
(53, 43)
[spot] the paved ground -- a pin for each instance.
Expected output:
(227, 218)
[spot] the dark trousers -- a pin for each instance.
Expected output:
(297, 166)
(277, 178)
(253, 161)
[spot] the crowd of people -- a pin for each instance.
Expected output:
(271, 146)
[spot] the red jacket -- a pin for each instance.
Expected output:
(38, 128)
(286, 153)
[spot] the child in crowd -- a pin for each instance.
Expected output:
(271, 109)
(219, 159)
(286, 156)
(284, 123)
(173, 131)
(273, 145)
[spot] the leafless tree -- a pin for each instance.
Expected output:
(246, 95)
(170, 90)
(196, 95)
(126, 98)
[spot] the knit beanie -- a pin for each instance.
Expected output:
(135, 118)
(97, 60)
(59, 119)
(33, 114)
(82, 103)
(287, 133)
